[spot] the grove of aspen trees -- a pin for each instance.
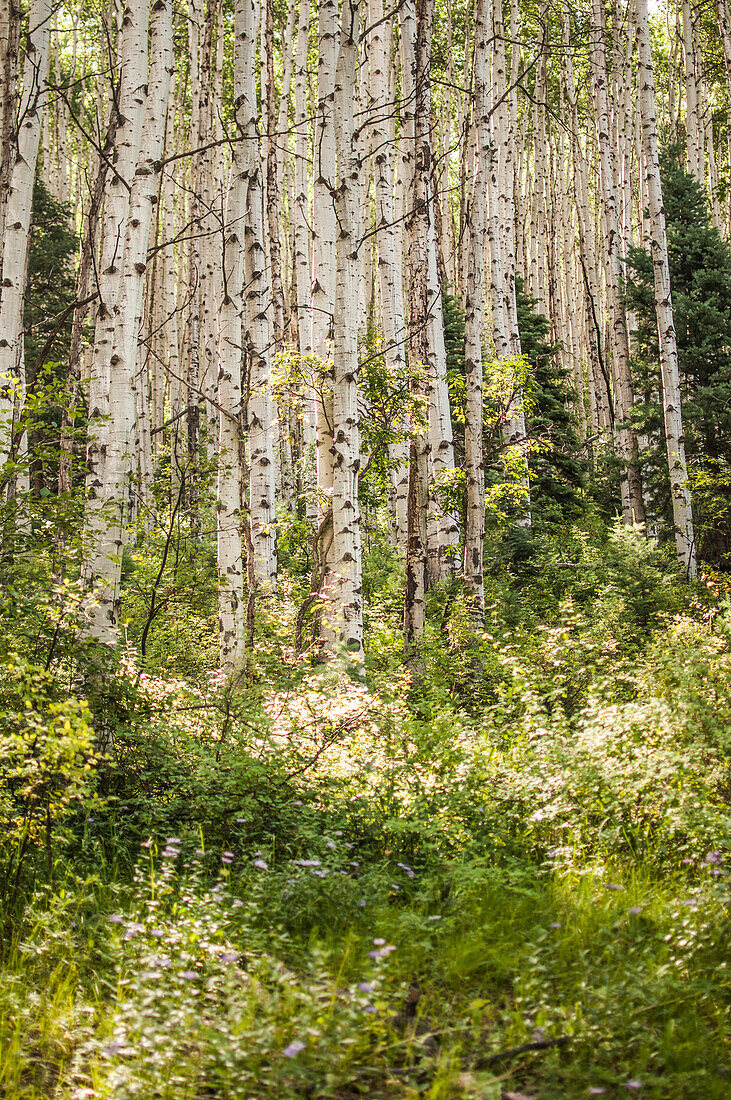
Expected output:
(365, 549)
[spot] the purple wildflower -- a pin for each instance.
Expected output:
(293, 1049)
(261, 864)
(366, 987)
(633, 1083)
(189, 975)
(635, 910)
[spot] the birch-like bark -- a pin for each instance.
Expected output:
(301, 257)
(390, 285)
(16, 236)
(324, 231)
(344, 583)
(443, 529)
(693, 126)
(260, 419)
(132, 96)
(633, 510)
(231, 603)
(416, 38)
(102, 569)
(9, 38)
(474, 465)
(669, 367)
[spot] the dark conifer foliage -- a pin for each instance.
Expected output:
(700, 271)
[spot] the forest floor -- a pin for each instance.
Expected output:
(504, 876)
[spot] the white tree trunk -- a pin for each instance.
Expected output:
(132, 98)
(344, 582)
(390, 285)
(103, 559)
(260, 417)
(16, 237)
(669, 368)
(633, 510)
(474, 465)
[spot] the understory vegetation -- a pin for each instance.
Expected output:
(500, 871)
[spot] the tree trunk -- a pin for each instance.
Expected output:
(16, 236)
(344, 583)
(669, 368)
(103, 560)
(633, 509)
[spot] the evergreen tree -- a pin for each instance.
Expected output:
(556, 476)
(51, 281)
(700, 274)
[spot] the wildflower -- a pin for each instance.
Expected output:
(229, 957)
(379, 942)
(370, 1009)
(170, 853)
(362, 903)
(308, 862)
(236, 903)
(261, 864)
(596, 1090)
(555, 924)
(157, 933)
(189, 975)
(90, 820)
(322, 873)
(366, 987)
(635, 910)
(711, 857)
(633, 1083)
(173, 840)
(116, 919)
(612, 886)
(297, 803)
(331, 844)
(382, 952)
(436, 916)
(227, 857)
(293, 1049)
(406, 869)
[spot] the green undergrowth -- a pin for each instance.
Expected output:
(502, 872)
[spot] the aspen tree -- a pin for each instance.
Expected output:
(669, 368)
(344, 581)
(599, 390)
(259, 412)
(103, 561)
(229, 520)
(132, 96)
(301, 255)
(500, 233)
(416, 36)
(16, 228)
(633, 509)
(474, 465)
(324, 231)
(693, 125)
(9, 36)
(443, 531)
(390, 285)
